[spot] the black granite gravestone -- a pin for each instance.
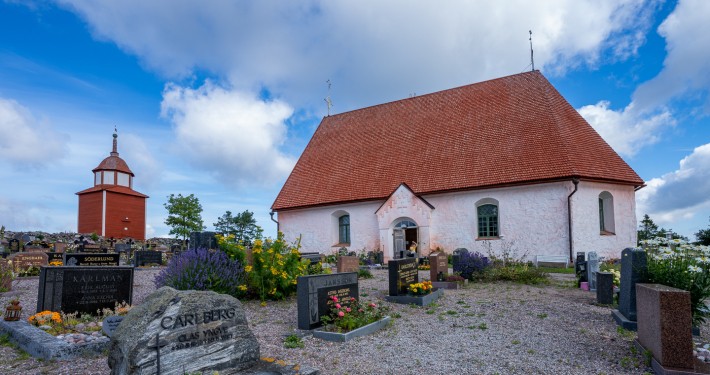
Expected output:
(633, 270)
(122, 247)
(53, 256)
(605, 288)
(84, 289)
(14, 245)
(146, 257)
(205, 240)
(88, 259)
(314, 291)
(402, 272)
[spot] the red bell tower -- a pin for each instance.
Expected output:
(111, 208)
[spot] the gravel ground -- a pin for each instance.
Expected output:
(491, 328)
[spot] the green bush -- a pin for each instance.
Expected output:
(275, 269)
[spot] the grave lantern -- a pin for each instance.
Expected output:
(13, 311)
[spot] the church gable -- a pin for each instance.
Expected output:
(404, 203)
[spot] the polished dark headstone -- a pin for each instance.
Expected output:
(314, 291)
(605, 288)
(146, 257)
(402, 272)
(633, 270)
(84, 289)
(88, 259)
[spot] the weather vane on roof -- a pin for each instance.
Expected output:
(328, 102)
(532, 60)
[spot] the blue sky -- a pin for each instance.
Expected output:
(219, 98)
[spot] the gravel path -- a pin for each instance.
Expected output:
(490, 328)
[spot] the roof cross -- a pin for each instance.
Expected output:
(328, 102)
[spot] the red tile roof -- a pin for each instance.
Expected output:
(113, 188)
(511, 130)
(114, 163)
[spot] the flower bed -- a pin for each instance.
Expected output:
(347, 336)
(417, 300)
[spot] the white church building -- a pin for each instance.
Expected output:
(506, 163)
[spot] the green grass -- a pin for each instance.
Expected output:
(568, 270)
(293, 341)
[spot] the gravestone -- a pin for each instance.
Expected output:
(592, 269)
(60, 247)
(122, 247)
(313, 257)
(313, 293)
(438, 266)
(146, 257)
(89, 259)
(110, 324)
(175, 248)
(84, 289)
(14, 245)
(25, 260)
(92, 248)
(664, 325)
(348, 264)
(184, 332)
(456, 256)
(54, 256)
(605, 288)
(633, 270)
(206, 240)
(402, 272)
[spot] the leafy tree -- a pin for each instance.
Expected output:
(226, 224)
(184, 215)
(243, 227)
(246, 228)
(703, 236)
(648, 229)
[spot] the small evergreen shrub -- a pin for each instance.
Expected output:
(471, 265)
(201, 269)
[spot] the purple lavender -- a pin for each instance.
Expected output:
(470, 264)
(201, 269)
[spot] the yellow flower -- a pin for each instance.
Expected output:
(242, 288)
(248, 268)
(257, 243)
(256, 251)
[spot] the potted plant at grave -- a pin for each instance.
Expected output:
(348, 318)
(420, 289)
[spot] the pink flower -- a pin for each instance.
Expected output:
(352, 299)
(347, 309)
(373, 305)
(337, 306)
(335, 298)
(341, 314)
(361, 310)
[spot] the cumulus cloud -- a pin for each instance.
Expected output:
(140, 159)
(626, 131)
(373, 51)
(686, 68)
(231, 133)
(679, 194)
(24, 140)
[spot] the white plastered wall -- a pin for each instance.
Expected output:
(585, 219)
(532, 221)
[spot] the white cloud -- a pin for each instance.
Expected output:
(140, 159)
(681, 194)
(233, 134)
(626, 131)
(686, 69)
(373, 51)
(26, 141)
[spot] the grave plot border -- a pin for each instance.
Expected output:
(416, 300)
(347, 336)
(446, 284)
(41, 344)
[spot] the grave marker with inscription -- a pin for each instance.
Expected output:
(25, 260)
(348, 263)
(53, 256)
(90, 259)
(146, 257)
(179, 332)
(314, 291)
(84, 289)
(402, 272)
(14, 245)
(438, 266)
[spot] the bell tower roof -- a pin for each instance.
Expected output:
(114, 162)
